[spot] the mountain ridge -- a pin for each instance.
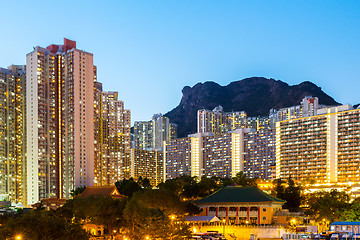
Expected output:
(254, 95)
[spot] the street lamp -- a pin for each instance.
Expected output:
(18, 237)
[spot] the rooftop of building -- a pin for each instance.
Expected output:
(238, 194)
(345, 223)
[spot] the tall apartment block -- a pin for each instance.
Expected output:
(205, 154)
(219, 122)
(221, 154)
(147, 164)
(259, 123)
(308, 107)
(259, 154)
(12, 134)
(60, 120)
(143, 135)
(150, 135)
(210, 121)
(112, 138)
(179, 156)
(324, 148)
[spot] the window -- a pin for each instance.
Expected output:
(253, 209)
(243, 209)
(222, 209)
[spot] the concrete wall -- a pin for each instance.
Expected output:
(244, 232)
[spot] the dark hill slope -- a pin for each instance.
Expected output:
(254, 95)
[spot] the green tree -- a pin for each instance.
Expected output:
(144, 182)
(172, 185)
(226, 182)
(39, 225)
(243, 180)
(191, 191)
(128, 187)
(77, 191)
(208, 186)
(166, 201)
(327, 205)
(108, 212)
(95, 209)
(279, 189)
(138, 219)
(143, 221)
(352, 213)
(292, 196)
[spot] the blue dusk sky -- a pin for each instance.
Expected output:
(149, 50)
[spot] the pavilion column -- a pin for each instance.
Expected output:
(248, 214)
(258, 215)
(206, 211)
(217, 211)
(237, 215)
(227, 214)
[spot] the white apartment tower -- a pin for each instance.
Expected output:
(60, 120)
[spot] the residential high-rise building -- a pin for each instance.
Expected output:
(324, 148)
(172, 131)
(112, 139)
(259, 123)
(12, 134)
(217, 155)
(205, 154)
(150, 135)
(178, 156)
(210, 121)
(219, 122)
(259, 154)
(147, 164)
(161, 131)
(98, 134)
(234, 120)
(60, 120)
(308, 107)
(143, 135)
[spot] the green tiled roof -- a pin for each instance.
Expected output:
(236, 194)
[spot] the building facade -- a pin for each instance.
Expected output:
(143, 135)
(210, 121)
(241, 205)
(219, 122)
(259, 154)
(112, 140)
(178, 154)
(147, 164)
(60, 120)
(13, 134)
(206, 154)
(150, 135)
(307, 108)
(322, 148)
